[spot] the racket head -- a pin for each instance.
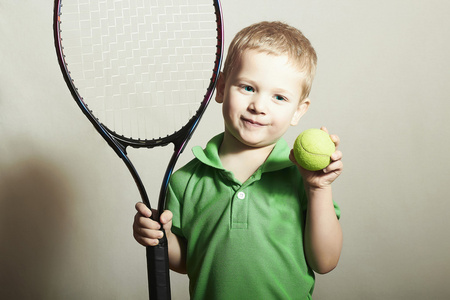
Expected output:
(142, 71)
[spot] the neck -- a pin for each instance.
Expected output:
(242, 160)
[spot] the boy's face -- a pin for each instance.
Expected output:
(261, 98)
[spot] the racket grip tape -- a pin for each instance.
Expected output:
(158, 270)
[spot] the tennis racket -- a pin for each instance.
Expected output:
(143, 72)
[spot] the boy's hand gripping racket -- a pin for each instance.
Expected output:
(143, 72)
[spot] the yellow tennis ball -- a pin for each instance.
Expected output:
(313, 148)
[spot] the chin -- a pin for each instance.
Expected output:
(258, 143)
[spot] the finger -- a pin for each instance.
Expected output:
(337, 155)
(145, 232)
(144, 222)
(335, 166)
(336, 140)
(143, 209)
(145, 236)
(292, 157)
(146, 241)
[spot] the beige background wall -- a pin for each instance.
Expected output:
(67, 202)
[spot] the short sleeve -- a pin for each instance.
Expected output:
(173, 204)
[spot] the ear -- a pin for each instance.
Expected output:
(301, 110)
(220, 88)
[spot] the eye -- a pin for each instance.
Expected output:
(248, 88)
(280, 98)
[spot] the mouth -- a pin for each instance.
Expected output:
(252, 122)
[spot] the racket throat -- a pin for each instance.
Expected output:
(166, 179)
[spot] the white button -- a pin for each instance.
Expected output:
(241, 195)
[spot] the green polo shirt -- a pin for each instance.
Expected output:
(244, 240)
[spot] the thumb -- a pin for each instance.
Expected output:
(166, 219)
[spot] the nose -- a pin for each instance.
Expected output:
(257, 104)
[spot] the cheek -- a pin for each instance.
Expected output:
(227, 111)
(285, 120)
(294, 119)
(231, 105)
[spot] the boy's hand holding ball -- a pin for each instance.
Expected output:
(314, 150)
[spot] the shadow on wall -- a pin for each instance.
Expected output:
(34, 218)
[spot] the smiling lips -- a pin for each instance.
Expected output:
(252, 122)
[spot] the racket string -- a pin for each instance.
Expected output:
(143, 71)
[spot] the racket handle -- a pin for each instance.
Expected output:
(158, 270)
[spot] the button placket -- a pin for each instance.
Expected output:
(239, 214)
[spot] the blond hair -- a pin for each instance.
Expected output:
(275, 38)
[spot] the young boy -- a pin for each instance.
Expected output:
(244, 221)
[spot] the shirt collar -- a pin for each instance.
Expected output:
(277, 160)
